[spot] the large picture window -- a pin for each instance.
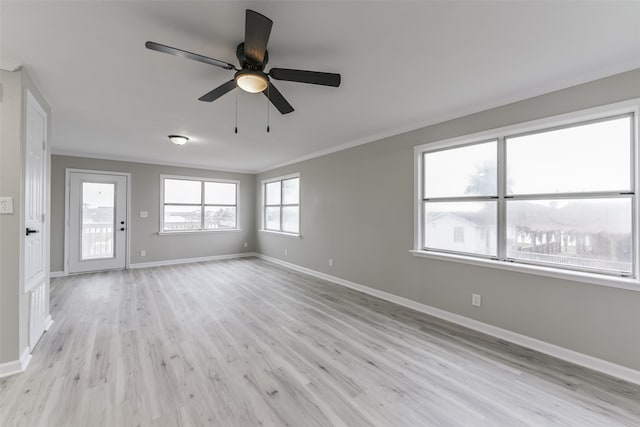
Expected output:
(561, 197)
(192, 204)
(282, 205)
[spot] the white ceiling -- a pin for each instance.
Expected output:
(404, 65)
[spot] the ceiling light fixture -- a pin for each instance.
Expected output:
(178, 139)
(251, 81)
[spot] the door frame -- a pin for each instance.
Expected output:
(67, 228)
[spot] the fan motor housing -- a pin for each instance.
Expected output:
(246, 63)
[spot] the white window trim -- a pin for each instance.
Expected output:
(263, 201)
(281, 233)
(162, 231)
(620, 108)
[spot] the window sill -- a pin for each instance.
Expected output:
(576, 276)
(282, 233)
(220, 230)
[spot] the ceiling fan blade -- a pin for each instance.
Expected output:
(256, 36)
(302, 76)
(218, 92)
(277, 99)
(189, 55)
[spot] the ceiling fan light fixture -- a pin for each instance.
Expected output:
(253, 56)
(178, 139)
(252, 81)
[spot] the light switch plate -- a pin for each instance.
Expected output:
(144, 214)
(6, 205)
(476, 300)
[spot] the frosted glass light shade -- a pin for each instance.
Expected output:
(178, 140)
(252, 83)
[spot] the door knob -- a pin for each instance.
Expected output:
(122, 222)
(31, 231)
(121, 228)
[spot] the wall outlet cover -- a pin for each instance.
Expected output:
(476, 300)
(144, 214)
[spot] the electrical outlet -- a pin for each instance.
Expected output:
(330, 262)
(246, 244)
(143, 252)
(6, 205)
(144, 214)
(286, 252)
(476, 300)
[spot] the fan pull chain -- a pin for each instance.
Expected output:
(268, 102)
(236, 111)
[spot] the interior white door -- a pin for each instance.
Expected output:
(35, 245)
(97, 221)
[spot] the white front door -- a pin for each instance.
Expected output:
(35, 245)
(97, 221)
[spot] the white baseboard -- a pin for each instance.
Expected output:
(48, 322)
(10, 368)
(190, 260)
(54, 274)
(575, 357)
(16, 366)
(25, 358)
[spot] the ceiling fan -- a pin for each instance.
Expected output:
(253, 56)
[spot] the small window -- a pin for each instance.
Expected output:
(458, 235)
(282, 205)
(191, 204)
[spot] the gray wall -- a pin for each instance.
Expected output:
(348, 196)
(145, 196)
(13, 302)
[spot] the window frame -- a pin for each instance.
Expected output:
(264, 206)
(501, 261)
(203, 205)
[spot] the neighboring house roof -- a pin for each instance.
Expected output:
(457, 217)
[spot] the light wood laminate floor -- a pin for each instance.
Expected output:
(246, 343)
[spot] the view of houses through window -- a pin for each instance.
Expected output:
(561, 197)
(198, 205)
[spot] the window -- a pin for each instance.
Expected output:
(561, 197)
(282, 205)
(194, 204)
(458, 235)
(460, 190)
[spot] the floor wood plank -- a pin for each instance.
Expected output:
(245, 343)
